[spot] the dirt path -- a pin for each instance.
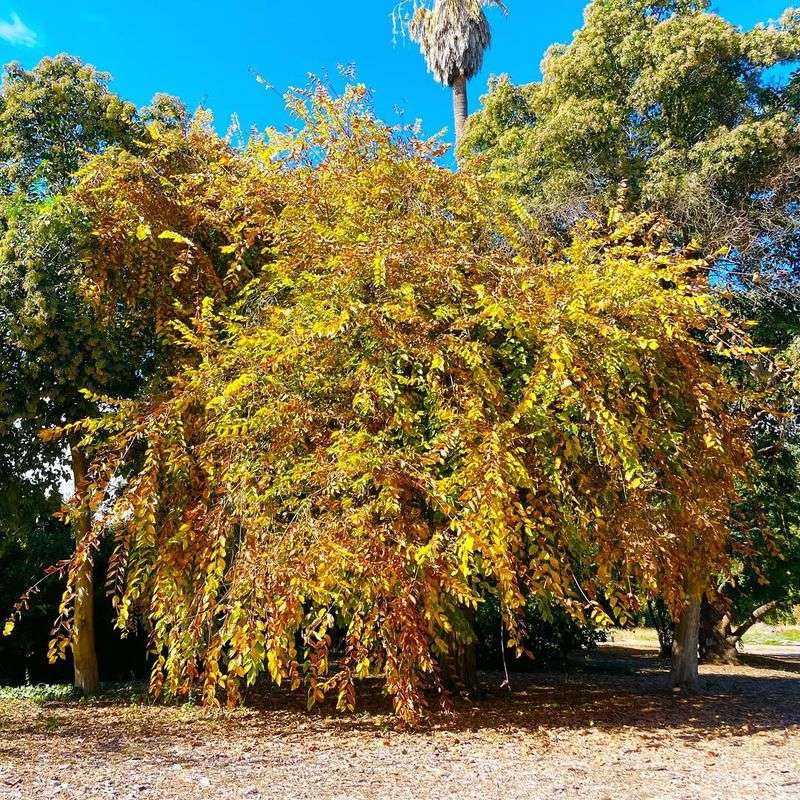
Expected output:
(600, 735)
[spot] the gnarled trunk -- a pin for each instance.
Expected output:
(718, 636)
(717, 644)
(460, 106)
(684, 673)
(84, 655)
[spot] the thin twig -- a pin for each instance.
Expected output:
(507, 682)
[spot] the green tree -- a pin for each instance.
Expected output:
(669, 108)
(765, 571)
(52, 118)
(667, 99)
(55, 343)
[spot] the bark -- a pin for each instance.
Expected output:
(460, 107)
(718, 638)
(467, 666)
(84, 654)
(717, 645)
(665, 628)
(664, 647)
(685, 644)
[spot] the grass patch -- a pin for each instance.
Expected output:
(47, 693)
(775, 635)
(760, 634)
(40, 693)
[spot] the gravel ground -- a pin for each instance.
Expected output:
(615, 731)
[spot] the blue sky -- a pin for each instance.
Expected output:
(208, 53)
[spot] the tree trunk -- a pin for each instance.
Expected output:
(685, 644)
(84, 655)
(467, 666)
(661, 620)
(460, 671)
(755, 616)
(717, 644)
(460, 106)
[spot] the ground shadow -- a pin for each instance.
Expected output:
(611, 690)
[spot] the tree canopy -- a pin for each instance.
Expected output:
(417, 401)
(696, 118)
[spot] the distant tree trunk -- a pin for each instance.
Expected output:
(665, 628)
(84, 655)
(460, 106)
(718, 637)
(460, 669)
(717, 646)
(467, 663)
(685, 644)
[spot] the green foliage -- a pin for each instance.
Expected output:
(39, 693)
(769, 568)
(417, 402)
(551, 636)
(667, 99)
(52, 118)
(55, 692)
(30, 541)
(54, 342)
(51, 121)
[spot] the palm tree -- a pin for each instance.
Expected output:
(453, 37)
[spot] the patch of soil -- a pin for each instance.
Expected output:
(613, 730)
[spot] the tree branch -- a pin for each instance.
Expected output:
(755, 616)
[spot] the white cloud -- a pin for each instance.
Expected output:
(16, 32)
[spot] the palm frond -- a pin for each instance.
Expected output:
(453, 37)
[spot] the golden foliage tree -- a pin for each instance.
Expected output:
(414, 402)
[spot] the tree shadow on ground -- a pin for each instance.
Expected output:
(611, 690)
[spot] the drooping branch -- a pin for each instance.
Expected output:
(754, 616)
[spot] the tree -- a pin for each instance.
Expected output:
(415, 403)
(764, 576)
(453, 37)
(667, 108)
(668, 99)
(55, 343)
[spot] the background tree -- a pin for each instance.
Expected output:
(765, 574)
(669, 108)
(55, 343)
(686, 111)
